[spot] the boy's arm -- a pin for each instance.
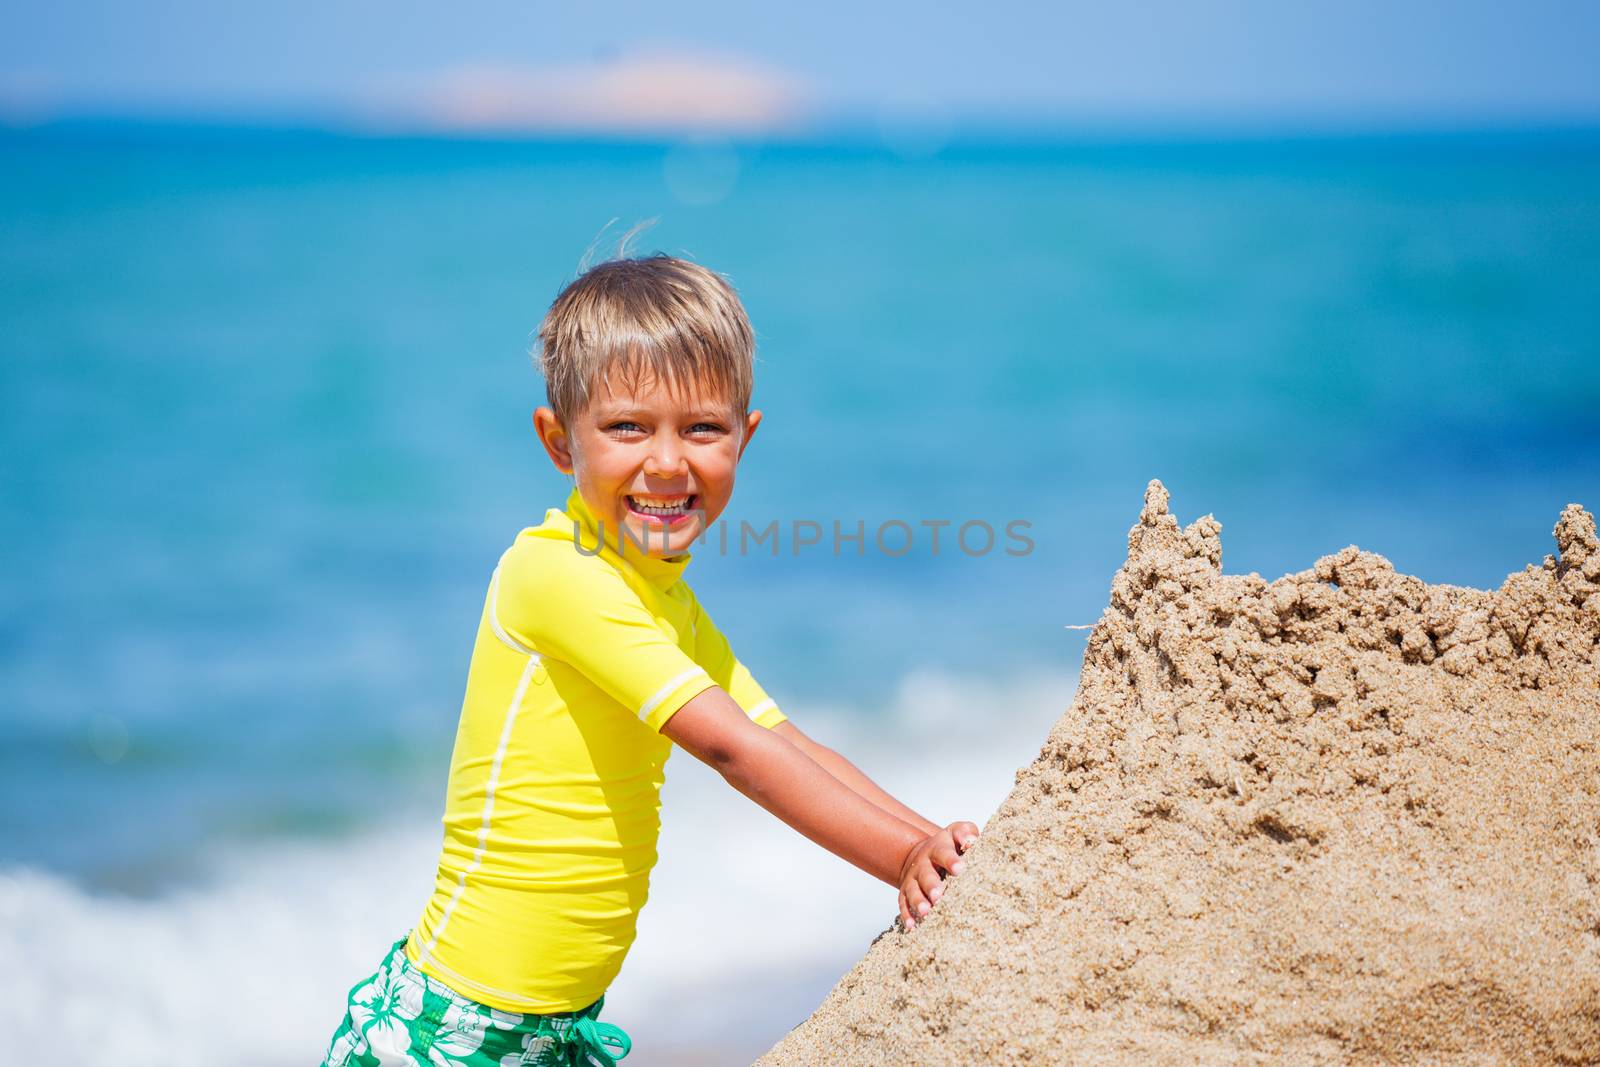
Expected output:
(774, 773)
(852, 776)
(959, 834)
(713, 650)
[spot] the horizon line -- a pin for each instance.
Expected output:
(930, 135)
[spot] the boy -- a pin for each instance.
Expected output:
(593, 658)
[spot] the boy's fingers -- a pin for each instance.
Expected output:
(930, 883)
(964, 834)
(905, 912)
(916, 901)
(946, 858)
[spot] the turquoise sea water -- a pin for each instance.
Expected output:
(265, 413)
(264, 408)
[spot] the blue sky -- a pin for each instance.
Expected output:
(1393, 62)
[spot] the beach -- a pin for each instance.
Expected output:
(267, 398)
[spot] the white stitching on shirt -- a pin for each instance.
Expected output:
(488, 807)
(494, 620)
(666, 691)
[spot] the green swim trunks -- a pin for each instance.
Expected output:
(401, 1017)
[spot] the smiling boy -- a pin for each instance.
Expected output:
(593, 658)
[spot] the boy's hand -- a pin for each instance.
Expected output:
(926, 865)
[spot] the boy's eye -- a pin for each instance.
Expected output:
(629, 426)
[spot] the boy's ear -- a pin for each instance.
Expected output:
(751, 422)
(554, 438)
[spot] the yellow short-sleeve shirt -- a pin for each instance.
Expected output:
(553, 804)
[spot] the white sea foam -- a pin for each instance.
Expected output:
(747, 923)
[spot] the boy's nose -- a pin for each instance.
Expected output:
(665, 458)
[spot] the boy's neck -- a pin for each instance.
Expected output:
(659, 571)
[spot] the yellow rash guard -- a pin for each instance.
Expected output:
(553, 805)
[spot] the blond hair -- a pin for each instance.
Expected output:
(652, 316)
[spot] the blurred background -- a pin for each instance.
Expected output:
(269, 278)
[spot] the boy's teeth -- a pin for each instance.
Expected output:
(656, 506)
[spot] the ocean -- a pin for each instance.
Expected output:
(264, 408)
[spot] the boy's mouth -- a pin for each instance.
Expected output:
(668, 509)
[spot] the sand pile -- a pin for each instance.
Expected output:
(1345, 816)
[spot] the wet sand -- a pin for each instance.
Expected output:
(1341, 817)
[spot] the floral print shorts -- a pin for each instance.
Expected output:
(401, 1017)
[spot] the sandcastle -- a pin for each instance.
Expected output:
(1341, 817)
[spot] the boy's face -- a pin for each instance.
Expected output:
(655, 465)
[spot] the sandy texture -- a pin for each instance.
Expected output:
(1342, 817)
